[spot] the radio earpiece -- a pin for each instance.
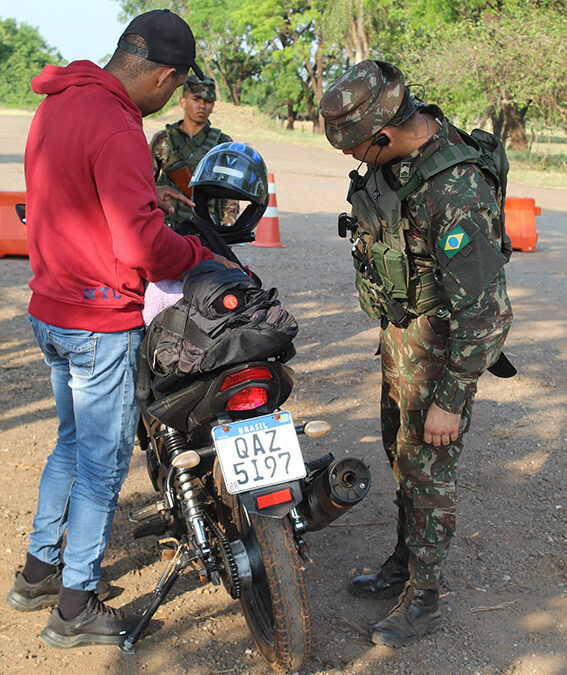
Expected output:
(382, 140)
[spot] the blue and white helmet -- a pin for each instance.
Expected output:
(232, 171)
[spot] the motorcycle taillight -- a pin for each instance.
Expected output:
(248, 398)
(254, 373)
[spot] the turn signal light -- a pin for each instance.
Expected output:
(248, 399)
(259, 373)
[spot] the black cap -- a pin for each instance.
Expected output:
(170, 40)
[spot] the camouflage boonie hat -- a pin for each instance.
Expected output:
(361, 102)
(203, 88)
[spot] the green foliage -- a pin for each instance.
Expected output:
(23, 53)
(480, 59)
(277, 46)
(498, 63)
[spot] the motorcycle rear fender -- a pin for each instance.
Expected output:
(199, 404)
(250, 500)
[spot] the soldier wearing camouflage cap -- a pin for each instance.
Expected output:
(177, 149)
(429, 248)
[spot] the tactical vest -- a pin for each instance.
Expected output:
(393, 282)
(186, 149)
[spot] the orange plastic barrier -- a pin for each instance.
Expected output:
(520, 222)
(268, 230)
(13, 235)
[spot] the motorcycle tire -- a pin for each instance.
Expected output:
(275, 606)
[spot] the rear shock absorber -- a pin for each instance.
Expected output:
(189, 494)
(173, 440)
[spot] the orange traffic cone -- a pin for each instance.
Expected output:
(520, 222)
(268, 230)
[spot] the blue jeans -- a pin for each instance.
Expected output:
(93, 377)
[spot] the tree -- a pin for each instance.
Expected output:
(223, 39)
(500, 62)
(352, 24)
(23, 53)
(241, 40)
(293, 35)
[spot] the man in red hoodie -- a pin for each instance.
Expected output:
(95, 234)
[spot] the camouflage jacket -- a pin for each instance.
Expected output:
(453, 221)
(172, 145)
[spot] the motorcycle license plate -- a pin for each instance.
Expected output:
(259, 452)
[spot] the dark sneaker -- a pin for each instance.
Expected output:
(27, 597)
(416, 614)
(97, 625)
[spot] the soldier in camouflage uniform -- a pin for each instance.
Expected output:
(185, 143)
(429, 256)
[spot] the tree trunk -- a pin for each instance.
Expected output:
(315, 92)
(497, 119)
(233, 93)
(358, 35)
(312, 110)
(290, 115)
(515, 126)
(209, 69)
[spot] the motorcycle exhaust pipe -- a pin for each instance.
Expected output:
(334, 491)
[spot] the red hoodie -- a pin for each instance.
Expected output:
(94, 229)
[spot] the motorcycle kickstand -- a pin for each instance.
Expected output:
(175, 567)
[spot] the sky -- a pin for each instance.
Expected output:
(78, 29)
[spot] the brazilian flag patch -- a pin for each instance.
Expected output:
(454, 242)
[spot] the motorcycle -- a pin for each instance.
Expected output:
(235, 497)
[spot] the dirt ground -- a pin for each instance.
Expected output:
(505, 582)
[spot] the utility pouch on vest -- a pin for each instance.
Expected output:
(423, 292)
(369, 297)
(392, 267)
(181, 175)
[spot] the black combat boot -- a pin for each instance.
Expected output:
(389, 581)
(416, 614)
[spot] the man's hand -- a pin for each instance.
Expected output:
(226, 262)
(441, 427)
(165, 195)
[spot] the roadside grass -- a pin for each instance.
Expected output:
(543, 164)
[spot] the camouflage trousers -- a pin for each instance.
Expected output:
(412, 361)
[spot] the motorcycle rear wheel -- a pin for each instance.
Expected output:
(275, 606)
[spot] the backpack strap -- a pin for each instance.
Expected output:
(439, 161)
(143, 384)
(174, 320)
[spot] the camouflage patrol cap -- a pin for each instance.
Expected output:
(204, 88)
(361, 102)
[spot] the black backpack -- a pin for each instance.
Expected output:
(223, 318)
